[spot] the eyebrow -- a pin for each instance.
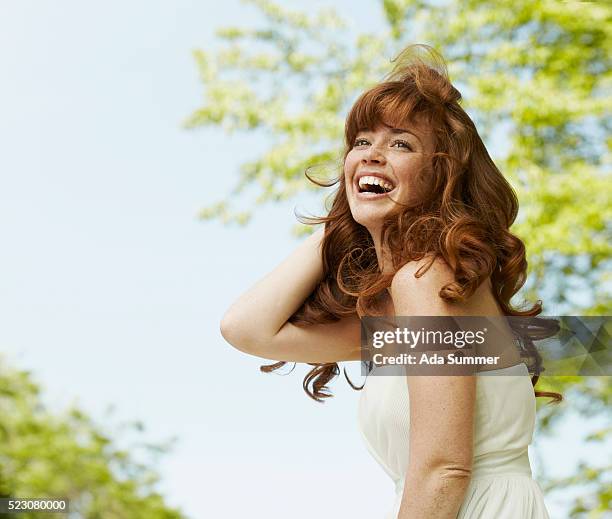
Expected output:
(400, 130)
(395, 131)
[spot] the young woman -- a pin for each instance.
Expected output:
(419, 226)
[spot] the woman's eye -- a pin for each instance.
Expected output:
(403, 142)
(358, 141)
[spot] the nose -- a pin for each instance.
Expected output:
(374, 155)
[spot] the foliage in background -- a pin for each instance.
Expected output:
(535, 74)
(45, 454)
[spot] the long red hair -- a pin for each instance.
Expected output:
(462, 212)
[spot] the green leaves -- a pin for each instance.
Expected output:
(46, 454)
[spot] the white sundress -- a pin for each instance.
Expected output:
(501, 486)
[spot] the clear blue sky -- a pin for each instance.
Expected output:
(112, 290)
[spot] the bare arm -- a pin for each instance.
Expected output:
(441, 409)
(257, 322)
(441, 432)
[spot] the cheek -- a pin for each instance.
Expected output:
(414, 180)
(408, 169)
(349, 167)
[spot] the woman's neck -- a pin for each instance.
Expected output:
(383, 254)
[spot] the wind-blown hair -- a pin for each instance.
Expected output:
(462, 212)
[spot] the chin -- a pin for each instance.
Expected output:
(371, 213)
(368, 218)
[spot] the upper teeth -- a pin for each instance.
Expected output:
(375, 181)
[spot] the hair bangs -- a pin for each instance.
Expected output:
(392, 105)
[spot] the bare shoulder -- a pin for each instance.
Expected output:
(413, 294)
(416, 286)
(430, 271)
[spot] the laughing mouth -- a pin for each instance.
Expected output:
(375, 185)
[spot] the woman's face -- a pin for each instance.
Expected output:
(382, 160)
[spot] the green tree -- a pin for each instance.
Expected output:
(47, 454)
(536, 72)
